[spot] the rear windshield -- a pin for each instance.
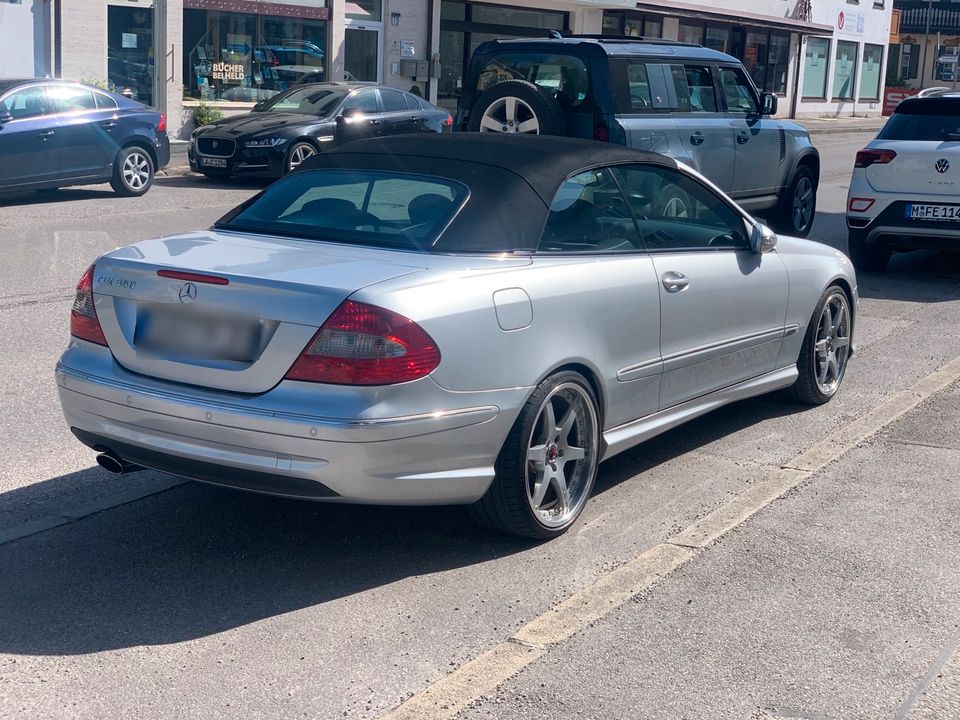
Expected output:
(923, 121)
(562, 76)
(379, 209)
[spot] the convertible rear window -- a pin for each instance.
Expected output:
(375, 208)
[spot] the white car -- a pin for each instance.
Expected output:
(905, 190)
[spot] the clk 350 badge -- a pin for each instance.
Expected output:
(119, 283)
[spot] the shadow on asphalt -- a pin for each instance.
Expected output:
(69, 194)
(197, 560)
(200, 182)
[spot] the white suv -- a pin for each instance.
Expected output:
(905, 191)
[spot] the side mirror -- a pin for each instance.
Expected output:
(762, 239)
(5, 117)
(769, 103)
(259, 106)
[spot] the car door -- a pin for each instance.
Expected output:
(705, 133)
(397, 119)
(722, 305)
(592, 274)
(84, 131)
(360, 116)
(758, 156)
(28, 150)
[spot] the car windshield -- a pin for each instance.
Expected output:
(380, 209)
(923, 121)
(306, 100)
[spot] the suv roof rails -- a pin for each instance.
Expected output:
(935, 91)
(555, 35)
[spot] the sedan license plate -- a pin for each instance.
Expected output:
(190, 333)
(213, 162)
(917, 211)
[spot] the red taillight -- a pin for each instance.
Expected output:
(448, 122)
(860, 204)
(162, 125)
(866, 158)
(83, 317)
(193, 277)
(362, 344)
(601, 133)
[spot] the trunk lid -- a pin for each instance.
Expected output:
(242, 334)
(914, 171)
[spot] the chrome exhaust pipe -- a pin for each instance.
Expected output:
(113, 463)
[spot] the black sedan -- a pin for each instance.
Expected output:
(285, 130)
(55, 133)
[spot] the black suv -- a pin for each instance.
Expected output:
(696, 105)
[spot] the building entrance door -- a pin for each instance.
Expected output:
(130, 51)
(361, 52)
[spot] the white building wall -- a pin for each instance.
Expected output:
(25, 39)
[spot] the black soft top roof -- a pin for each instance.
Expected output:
(542, 161)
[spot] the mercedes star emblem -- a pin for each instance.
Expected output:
(942, 165)
(188, 293)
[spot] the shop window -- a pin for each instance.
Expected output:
(130, 52)
(844, 70)
(689, 33)
(755, 56)
(245, 57)
(909, 61)
(652, 29)
(717, 38)
(815, 62)
(778, 60)
(870, 72)
(518, 17)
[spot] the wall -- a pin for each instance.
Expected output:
(83, 40)
(412, 29)
(25, 33)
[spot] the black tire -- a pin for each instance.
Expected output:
(868, 258)
(786, 220)
(298, 148)
(672, 202)
(542, 105)
(132, 172)
(806, 389)
(505, 507)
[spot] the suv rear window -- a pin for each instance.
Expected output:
(925, 120)
(380, 209)
(564, 75)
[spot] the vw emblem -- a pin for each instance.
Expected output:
(942, 165)
(188, 293)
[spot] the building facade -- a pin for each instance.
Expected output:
(824, 58)
(927, 50)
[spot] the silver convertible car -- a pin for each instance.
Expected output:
(463, 319)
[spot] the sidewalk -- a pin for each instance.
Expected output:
(834, 125)
(840, 601)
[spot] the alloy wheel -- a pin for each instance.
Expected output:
(136, 170)
(562, 455)
(510, 115)
(832, 348)
(300, 153)
(802, 204)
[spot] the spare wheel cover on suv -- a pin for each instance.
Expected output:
(517, 106)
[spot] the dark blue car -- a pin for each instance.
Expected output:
(55, 133)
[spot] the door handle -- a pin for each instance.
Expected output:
(46, 134)
(109, 124)
(743, 138)
(674, 281)
(697, 139)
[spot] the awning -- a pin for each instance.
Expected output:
(700, 12)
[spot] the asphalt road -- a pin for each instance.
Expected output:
(196, 602)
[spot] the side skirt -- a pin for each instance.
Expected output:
(635, 432)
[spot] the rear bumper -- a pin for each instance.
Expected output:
(441, 457)
(885, 223)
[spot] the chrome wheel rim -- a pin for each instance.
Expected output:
(562, 456)
(832, 348)
(510, 115)
(299, 154)
(675, 207)
(802, 204)
(136, 170)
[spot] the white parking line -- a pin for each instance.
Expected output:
(446, 697)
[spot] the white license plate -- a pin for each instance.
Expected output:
(917, 211)
(184, 332)
(213, 162)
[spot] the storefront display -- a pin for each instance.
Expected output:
(248, 57)
(815, 63)
(130, 52)
(870, 72)
(844, 70)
